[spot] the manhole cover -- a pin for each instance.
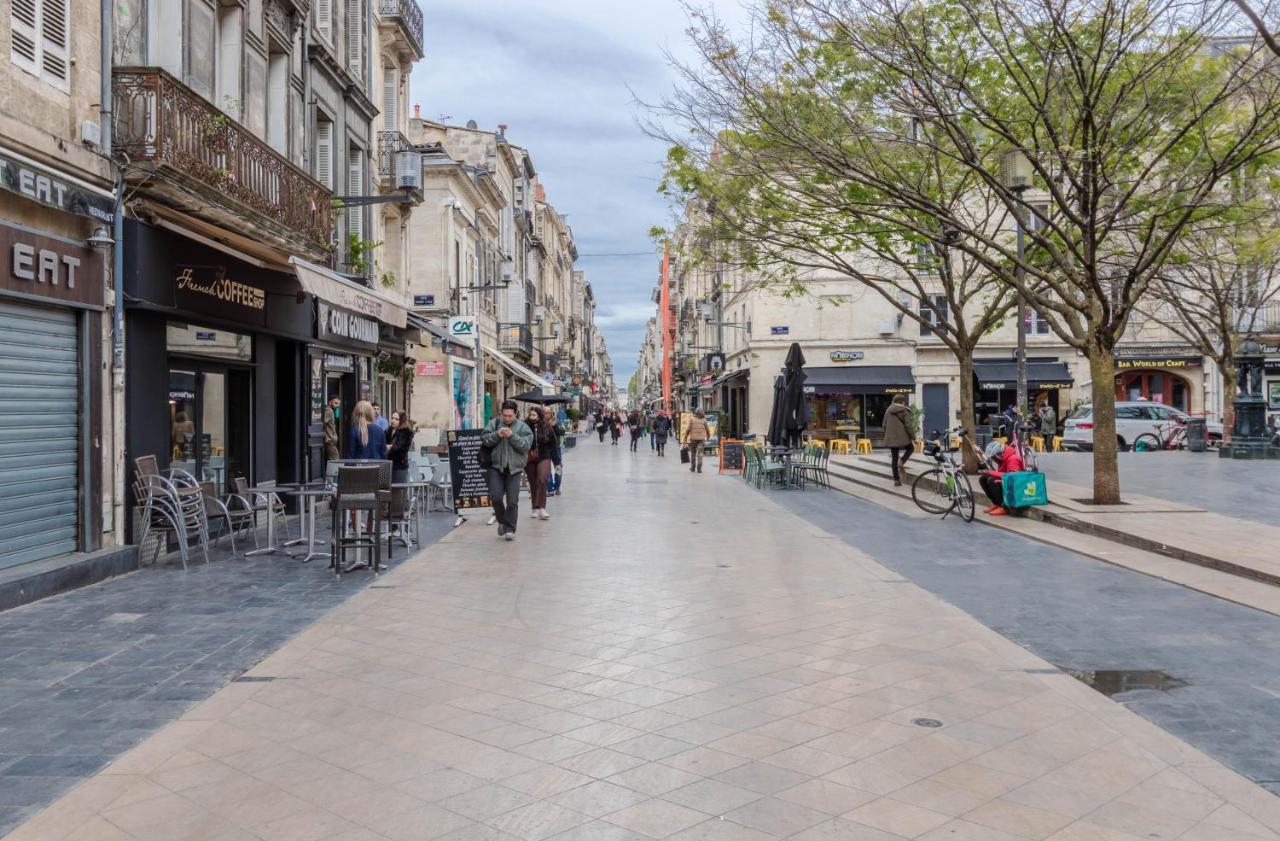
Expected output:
(1118, 681)
(926, 722)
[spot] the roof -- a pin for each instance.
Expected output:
(859, 379)
(1003, 373)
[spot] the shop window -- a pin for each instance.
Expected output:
(1155, 386)
(210, 424)
(190, 340)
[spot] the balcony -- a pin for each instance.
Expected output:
(164, 128)
(407, 15)
(515, 338)
(1269, 318)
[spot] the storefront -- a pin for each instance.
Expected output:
(51, 402)
(996, 385)
(443, 394)
(1172, 376)
(852, 400)
(729, 399)
(1271, 379)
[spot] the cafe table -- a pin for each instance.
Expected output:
(308, 496)
(414, 490)
(266, 491)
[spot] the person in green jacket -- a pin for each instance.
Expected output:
(508, 439)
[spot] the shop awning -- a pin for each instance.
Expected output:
(860, 379)
(1003, 374)
(521, 371)
(338, 291)
(725, 379)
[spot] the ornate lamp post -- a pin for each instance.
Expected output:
(1249, 439)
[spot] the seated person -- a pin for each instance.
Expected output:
(1002, 460)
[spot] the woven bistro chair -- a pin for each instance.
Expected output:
(358, 491)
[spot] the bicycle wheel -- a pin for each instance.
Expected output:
(1029, 458)
(1146, 443)
(964, 497)
(929, 491)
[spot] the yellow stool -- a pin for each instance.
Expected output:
(1037, 443)
(1057, 443)
(1002, 439)
(839, 445)
(864, 445)
(919, 444)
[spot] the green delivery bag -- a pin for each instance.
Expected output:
(1024, 488)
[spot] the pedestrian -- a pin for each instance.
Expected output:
(381, 422)
(557, 456)
(898, 435)
(615, 427)
(538, 463)
(635, 426)
(694, 436)
(366, 439)
(1048, 420)
(651, 418)
(661, 432)
(602, 424)
(1003, 460)
(400, 446)
(508, 439)
(331, 411)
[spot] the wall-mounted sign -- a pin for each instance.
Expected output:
(465, 329)
(207, 289)
(206, 336)
(780, 330)
(52, 190)
(1129, 363)
(333, 324)
(338, 362)
(429, 369)
(45, 267)
(714, 362)
(424, 300)
(846, 355)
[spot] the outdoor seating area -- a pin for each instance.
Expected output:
(784, 467)
(368, 513)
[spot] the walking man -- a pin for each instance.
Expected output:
(508, 440)
(694, 437)
(898, 436)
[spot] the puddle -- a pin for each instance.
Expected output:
(1111, 682)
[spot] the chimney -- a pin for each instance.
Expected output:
(417, 112)
(502, 129)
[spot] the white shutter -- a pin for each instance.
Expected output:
(353, 37)
(324, 154)
(390, 98)
(324, 19)
(42, 39)
(355, 187)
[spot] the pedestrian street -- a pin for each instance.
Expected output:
(669, 656)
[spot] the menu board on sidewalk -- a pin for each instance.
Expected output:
(731, 455)
(470, 485)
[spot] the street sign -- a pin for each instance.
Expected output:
(424, 300)
(780, 330)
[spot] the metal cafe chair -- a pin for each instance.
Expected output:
(168, 508)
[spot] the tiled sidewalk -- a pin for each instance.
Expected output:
(671, 656)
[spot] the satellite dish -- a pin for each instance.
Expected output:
(471, 124)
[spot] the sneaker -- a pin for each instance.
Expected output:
(510, 535)
(989, 509)
(546, 515)
(502, 530)
(998, 511)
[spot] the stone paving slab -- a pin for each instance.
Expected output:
(690, 662)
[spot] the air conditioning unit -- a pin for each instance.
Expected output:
(888, 326)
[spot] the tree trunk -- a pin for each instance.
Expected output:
(1106, 470)
(1229, 389)
(967, 412)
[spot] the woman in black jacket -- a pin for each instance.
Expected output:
(400, 447)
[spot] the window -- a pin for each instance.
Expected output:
(390, 99)
(1038, 216)
(1037, 324)
(324, 19)
(278, 102)
(355, 37)
(324, 152)
(355, 187)
(41, 39)
(933, 314)
(230, 40)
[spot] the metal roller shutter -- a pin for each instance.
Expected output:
(39, 441)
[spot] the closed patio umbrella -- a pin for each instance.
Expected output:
(776, 425)
(795, 411)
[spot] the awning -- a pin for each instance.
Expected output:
(336, 290)
(1003, 374)
(725, 379)
(860, 379)
(521, 371)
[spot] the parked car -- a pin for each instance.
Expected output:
(1133, 418)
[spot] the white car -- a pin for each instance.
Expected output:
(1133, 418)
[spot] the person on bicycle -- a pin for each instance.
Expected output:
(1002, 460)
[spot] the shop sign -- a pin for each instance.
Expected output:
(424, 300)
(464, 328)
(1032, 385)
(208, 290)
(780, 330)
(1271, 366)
(344, 326)
(45, 267)
(846, 355)
(1129, 363)
(338, 362)
(51, 190)
(429, 369)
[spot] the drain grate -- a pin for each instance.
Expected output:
(926, 722)
(1111, 682)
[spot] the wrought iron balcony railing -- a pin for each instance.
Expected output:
(390, 142)
(161, 123)
(408, 14)
(515, 338)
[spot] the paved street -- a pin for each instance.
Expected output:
(677, 656)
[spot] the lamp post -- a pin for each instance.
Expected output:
(1015, 174)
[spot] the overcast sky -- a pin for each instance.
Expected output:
(560, 75)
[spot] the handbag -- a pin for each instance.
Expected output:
(684, 455)
(485, 457)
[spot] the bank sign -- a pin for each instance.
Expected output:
(465, 329)
(345, 327)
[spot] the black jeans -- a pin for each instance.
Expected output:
(504, 494)
(899, 463)
(994, 489)
(635, 440)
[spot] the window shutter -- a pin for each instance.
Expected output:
(353, 37)
(55, 42)
(355, 187)
(324, 18)
(390, 98)
(25, 40)
(324, 154)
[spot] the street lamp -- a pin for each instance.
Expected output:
(1015, 174)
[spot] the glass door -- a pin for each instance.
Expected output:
(210, 415)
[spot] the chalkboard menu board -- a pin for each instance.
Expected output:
(470, 485)
(731, 455)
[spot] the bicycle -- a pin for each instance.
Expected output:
(1019, 432)
(1168, 436)
(944, 487)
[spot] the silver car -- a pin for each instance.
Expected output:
(1133, 418)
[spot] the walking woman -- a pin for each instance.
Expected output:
(602, 423)
(400, 447)
(661, 432)
(538, 467)
(897, 435)
(557, 456)
(635, 426)
(615, 427)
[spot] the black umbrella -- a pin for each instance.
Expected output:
(542, 399)
(776, 425)
(795, 411)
